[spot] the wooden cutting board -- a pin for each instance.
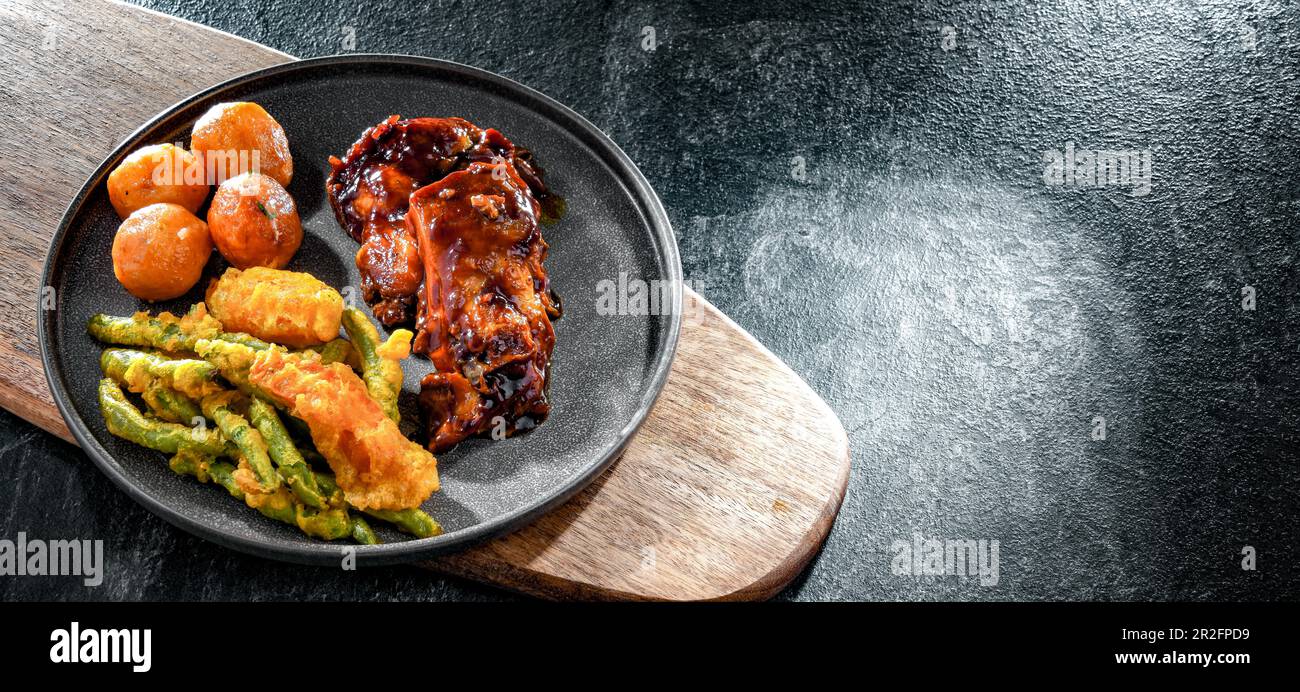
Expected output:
(726, 493)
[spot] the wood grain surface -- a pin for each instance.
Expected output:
(726, 493)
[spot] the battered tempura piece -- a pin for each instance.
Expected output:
(375, 465)
(283, 307)
(166, 332)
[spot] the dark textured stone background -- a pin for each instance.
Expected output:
(965, 320)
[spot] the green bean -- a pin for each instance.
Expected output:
(280, 506)
(232, 359)
(329, 486)
(286, 456)
(169, 405)
(362, 533)
(188, 462)
(151, 332)
(383, 376)
(338, 351)
(191, 377)
(166, 332)
(125, 420)
(224, 474)
(328, 524)
(237, 429)
(244, 340)
(132, 372)
(414, 521)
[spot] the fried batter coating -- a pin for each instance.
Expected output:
(282, 307)
(375, 465)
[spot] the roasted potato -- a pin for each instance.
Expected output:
(161, 173)
(254, 222)
(159, 251)
(231, 135)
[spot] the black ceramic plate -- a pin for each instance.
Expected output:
(607, 369)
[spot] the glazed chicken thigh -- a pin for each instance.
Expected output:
(485, 316)
(447, 216)
(370, 188)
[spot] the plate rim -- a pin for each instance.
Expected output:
(329, 553)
